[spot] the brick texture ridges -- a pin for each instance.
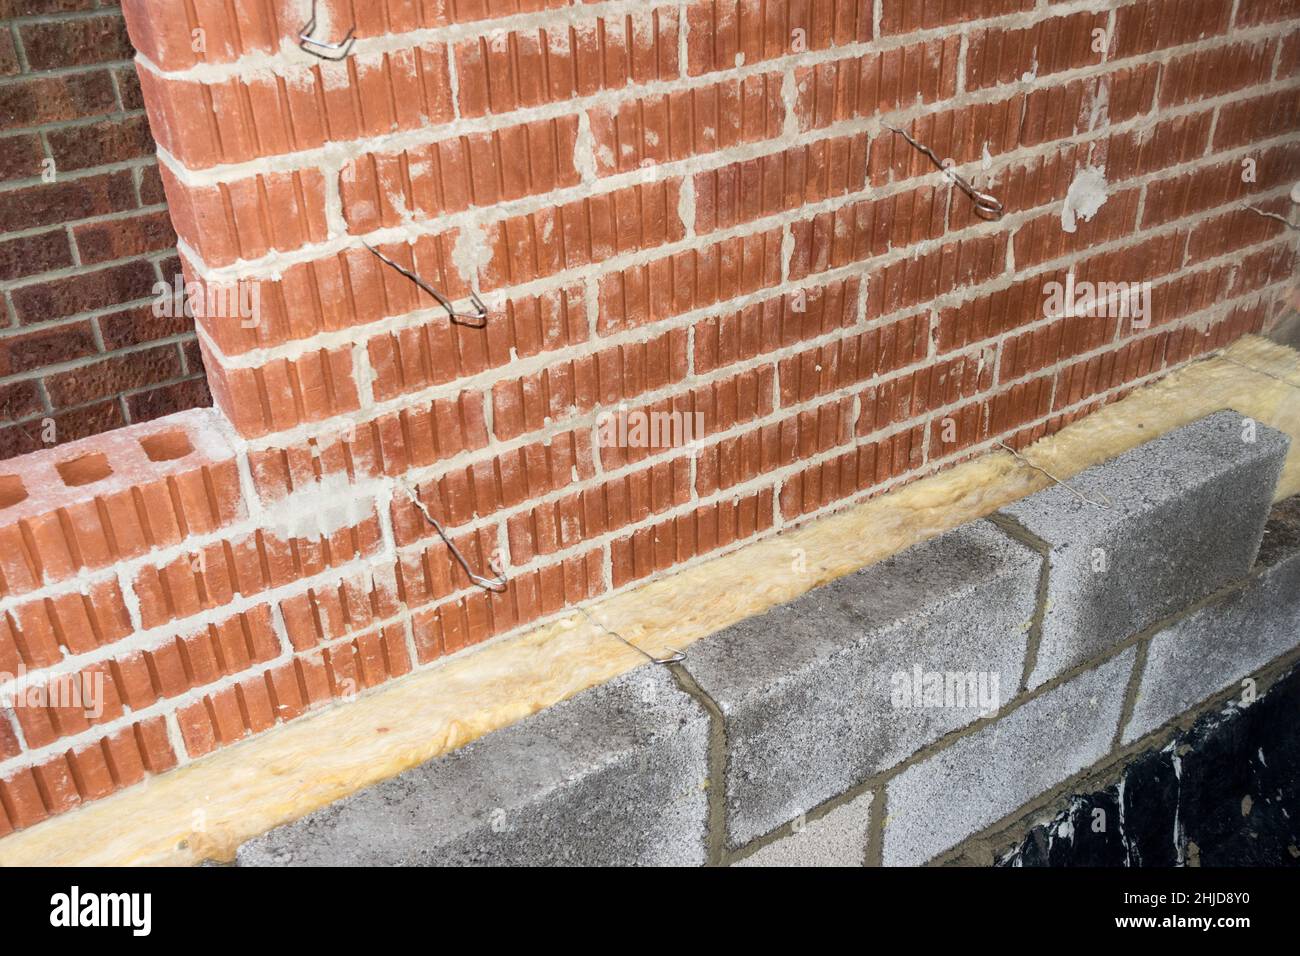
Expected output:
(691, 210)
(84, 237)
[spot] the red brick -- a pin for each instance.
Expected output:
(1234, 230)
(100, 143)
(876, 83)
(9, 746)
(9, 64)
(1151, 25)
(724, 34)
(122, 238)
(1042, 239)
(665, 127)
(51, 346)
(923, 278)
(579, 385)
(169, 399)
(459, 496)
(779, 321)
(342, 291)
(22, 156)
(867, 466)
(688, 280)
(1191, 192)
(203, 125)
(581, 516)
(906, 16)
(752, 189)
(432, 574)
(590, 230)
(54, 99)
(1206, 73)
(1001, 55)
(1253, 12)
(480, 169)
(154, 745)
(114, 375)
(84, 291)
(30, 255)
(437, 351)
(68, 426)
(742, 458)
(1263, 117)
(251, 217)
(867, 228)
(718, 406)
(502, 72)
(166, 37)
(1171, 142)
(284, 392)
(656, 548)
(66, 200)
(21, 798)
(57, 44)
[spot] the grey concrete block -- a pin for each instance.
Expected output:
(1218, 645)
(839, 838)
(807, 689)
(613, 776)
(1188, 511)
(977, 780)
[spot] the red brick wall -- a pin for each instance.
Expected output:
(84, 235)
(686, 206)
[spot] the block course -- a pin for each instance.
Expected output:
(801, 687)
(1141, 537)
(694, 217)
(1191, 660)
(817, 760)
(616, 775)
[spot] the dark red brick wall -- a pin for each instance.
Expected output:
(84, 235)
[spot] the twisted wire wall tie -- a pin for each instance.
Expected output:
(676, 656)
(986, 207)
(322, 49)
(1272, 215)
(1104, 503)
(497, 584)
(474, 320)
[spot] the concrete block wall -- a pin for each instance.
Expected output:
(85, 235)
(887, 717)
(612, 776)
(689, 207)
(1218, 793)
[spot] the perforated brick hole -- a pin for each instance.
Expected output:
(85, 470)
(167, 446)
(12, 491)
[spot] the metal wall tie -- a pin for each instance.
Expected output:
(1104, 501)
(497, 584)
(475, 320)
(343, 48)
(675, 658)
(986, 206)
(1272, 215)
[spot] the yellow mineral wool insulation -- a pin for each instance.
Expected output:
(208, 808)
